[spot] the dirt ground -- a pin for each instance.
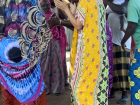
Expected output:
(64, 99)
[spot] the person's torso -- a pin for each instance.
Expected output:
(114, 23)
(136, 34)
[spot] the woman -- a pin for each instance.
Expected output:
(25, 36)
(110, 55)
(89, 60)
(53, 62)
(121, 59)
(134, 29)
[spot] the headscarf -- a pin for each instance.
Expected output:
(32, 28)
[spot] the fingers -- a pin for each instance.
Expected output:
(58, 3)
(74, 5)
(123, 48)
(125, 45)
(71, 5)
(64, 1)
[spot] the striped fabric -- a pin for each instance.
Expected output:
(121, 61)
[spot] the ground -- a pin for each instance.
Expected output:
(64, 99)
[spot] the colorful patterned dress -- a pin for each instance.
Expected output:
(110, 56)
(53, 60)
(134, 78)
(26, 35)
(89, 59)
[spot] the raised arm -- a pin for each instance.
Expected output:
(74, 21)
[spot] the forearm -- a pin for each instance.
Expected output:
(67, 24)
(128, 33)
(62, 15)
(73, 20)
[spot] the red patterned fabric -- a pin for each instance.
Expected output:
(9, 99)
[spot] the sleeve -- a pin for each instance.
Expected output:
(132, 15)
(81, 11)
(108, 10)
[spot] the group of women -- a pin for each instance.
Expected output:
(32, 52)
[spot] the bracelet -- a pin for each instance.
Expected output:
(60, 21)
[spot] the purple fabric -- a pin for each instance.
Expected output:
(110, 56)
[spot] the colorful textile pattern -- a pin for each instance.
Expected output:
(9, 99)
(16, 75)
(29, 24)
(26, 36)
(89, 59)
(121, 64)
(52, 68)
(58, 32)
(110, 56)
(134, 78)
(53, 60)
(34, 31)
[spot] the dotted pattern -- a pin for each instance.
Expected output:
(86, 59)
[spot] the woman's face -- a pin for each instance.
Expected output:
(45, 5)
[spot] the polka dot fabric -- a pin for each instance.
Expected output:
(88, 62)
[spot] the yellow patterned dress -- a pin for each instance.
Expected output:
(89, 60)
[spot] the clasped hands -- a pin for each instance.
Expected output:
(64, 7)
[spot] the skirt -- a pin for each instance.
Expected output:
(134, 78)
(121, 64)
(9, 99)
(53, 68)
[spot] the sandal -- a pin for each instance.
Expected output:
(56, 94)
(66, 84)
(123, 101)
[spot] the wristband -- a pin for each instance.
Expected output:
(60, 21)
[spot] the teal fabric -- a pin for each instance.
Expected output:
(134, 16)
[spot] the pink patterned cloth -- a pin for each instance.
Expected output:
(58, 35)
(53, 61)
(110, 56)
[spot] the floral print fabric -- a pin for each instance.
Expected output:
(26, 36)
(134, 78)
(89, 59)
(110, 56)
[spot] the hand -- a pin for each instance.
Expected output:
(123, 46)
(61, 5)
(73, 8)
(54, 22)
(122, 29)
